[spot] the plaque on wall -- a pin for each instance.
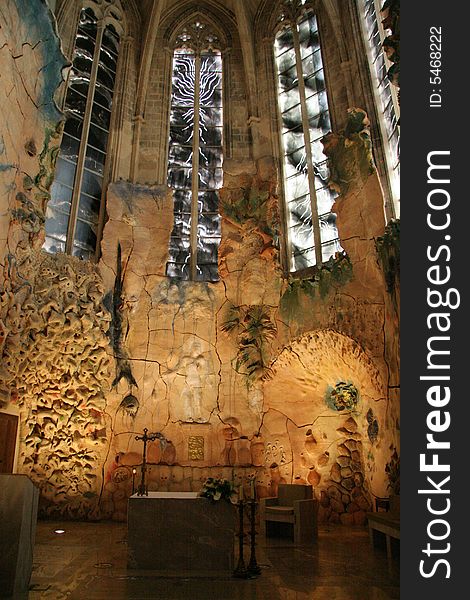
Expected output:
(197, 444)
(195, 447)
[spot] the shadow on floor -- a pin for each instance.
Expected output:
(89, 562)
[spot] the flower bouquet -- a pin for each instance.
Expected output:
(217, 489)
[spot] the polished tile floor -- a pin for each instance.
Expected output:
(88, 562)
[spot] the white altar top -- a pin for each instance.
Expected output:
(173, 495)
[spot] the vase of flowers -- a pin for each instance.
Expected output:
(219, 489)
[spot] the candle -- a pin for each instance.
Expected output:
(240, 493)
(134, 471)
(252, 488)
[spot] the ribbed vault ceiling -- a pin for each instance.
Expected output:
(145, 6)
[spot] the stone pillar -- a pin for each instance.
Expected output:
(360, 203)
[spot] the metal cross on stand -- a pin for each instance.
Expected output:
(146, 437)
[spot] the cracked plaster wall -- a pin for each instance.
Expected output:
(55, 364)
(278, 423)
(31, 72)
(78, 429)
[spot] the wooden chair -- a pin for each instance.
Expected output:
(294, 505)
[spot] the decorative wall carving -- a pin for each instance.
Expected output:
(391, 44)
(59, 365)
(57, 368)
(350, 153)
(342, 396)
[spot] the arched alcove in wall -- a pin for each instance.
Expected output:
(326, 413)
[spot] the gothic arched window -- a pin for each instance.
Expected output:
(312, 236)
(73, 211)
(195, 154)
(385, 96)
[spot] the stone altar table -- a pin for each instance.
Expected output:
(180, 533)
(18, 516)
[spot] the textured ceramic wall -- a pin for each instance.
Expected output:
(294, 381)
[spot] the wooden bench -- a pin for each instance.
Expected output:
(387, 523)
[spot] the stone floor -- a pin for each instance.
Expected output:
(88, 562)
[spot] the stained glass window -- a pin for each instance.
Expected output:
(195, 163)
(74, 207)
(312, 236)
(385, 96)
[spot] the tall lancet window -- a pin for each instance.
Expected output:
(385, 96)
(73, 212)
(312, 236)
(195, 154)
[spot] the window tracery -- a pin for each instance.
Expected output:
(386, 101)
(73, 212)
(196, 152)
(312, 235)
